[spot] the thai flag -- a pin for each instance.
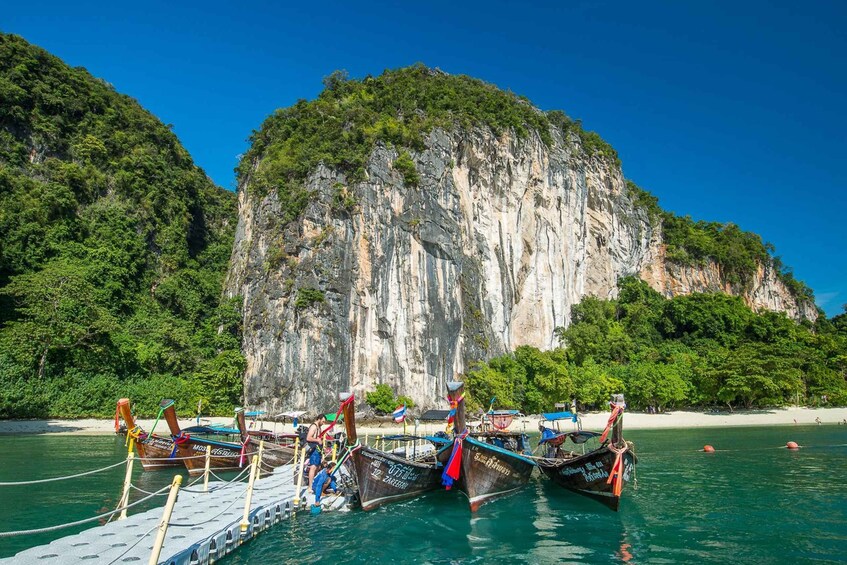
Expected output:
(399, 414)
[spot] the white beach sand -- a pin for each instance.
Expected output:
(590, 421)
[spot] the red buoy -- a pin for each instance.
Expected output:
(708, 449)
(792, 445)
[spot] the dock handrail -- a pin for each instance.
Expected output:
(63, 478)
(83, 521)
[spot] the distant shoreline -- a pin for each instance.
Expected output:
(678, 419)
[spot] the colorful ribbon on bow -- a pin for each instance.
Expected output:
(454, 406)
(617, 412)
(453, 468)
(178, 440)
(337, 414)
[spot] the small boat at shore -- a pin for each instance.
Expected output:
(485, 465)
(384, 477)
(599, 473)
(155, 452)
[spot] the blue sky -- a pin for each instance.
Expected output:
(727, 111)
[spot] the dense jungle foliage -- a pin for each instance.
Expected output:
(113, 249)
(114, 245)
(696, 350)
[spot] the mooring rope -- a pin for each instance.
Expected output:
(83, 521)
(39, 481)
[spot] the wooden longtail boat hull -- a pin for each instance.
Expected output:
(385, 478)
(489, 472)
(588, 474)
(224, 456)
(155, 453)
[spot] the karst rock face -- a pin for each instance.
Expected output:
(383, 281)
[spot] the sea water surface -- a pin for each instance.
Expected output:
(753, 501)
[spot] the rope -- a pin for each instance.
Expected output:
(132, 486)
(80, 522)
(39, 481)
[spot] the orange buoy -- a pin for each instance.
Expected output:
(708, 449)
(792, 445)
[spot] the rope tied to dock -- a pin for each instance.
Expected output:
(63, 478)
(83, 521)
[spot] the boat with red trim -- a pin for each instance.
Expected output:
(599, 473)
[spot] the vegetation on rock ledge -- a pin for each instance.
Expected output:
(342, 126)
(696, 350)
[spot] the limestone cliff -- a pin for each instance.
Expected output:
(406, 279)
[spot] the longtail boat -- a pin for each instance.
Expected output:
(385, 477)
(600, 473)
(191, 450)
(273, 454)
(154, 451)
(482, 465)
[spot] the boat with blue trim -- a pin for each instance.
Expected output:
(486, 465)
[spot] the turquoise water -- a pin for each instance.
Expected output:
(751, 502)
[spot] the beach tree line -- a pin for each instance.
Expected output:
(697, 350)
(113, 249)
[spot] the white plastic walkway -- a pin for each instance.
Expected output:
(204, 527)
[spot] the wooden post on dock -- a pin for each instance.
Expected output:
(296, 450)
(208, 465)
(163, 525)
(128, 480)
(261, 453)
(299, 477)
(245, 520)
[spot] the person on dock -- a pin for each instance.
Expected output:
(323, 482)
(313, 439)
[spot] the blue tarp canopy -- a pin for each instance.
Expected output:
(254, 413)
(504, 412)
(553, 416)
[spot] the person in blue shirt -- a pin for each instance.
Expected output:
(323, 482)
(313, 440)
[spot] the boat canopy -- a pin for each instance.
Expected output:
(218, 430)
(553, 416)
(504, 413)
(293, 414)
(434, 415)
(254, 413)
